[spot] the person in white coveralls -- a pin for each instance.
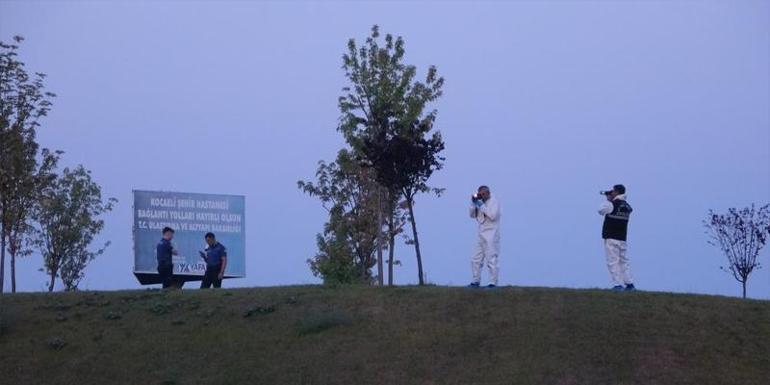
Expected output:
(485, 209)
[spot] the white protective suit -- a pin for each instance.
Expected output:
(615, 249)
(488, 246)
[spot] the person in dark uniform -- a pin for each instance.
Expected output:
(216, 262)
(617, 212)
(164, 252)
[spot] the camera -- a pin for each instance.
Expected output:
(475, 197)
(605, 193)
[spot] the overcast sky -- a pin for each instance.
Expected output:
(546, 102)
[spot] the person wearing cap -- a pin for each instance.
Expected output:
(485, 209)
(616, 212)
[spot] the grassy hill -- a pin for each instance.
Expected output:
(406, 335)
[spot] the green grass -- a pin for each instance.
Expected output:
(405, 335)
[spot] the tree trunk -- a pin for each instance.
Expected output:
(2, 256)
(13, 272)
(744, 288)
(391, 242)
(416, 240)
(53, 279)
(12, 251)
(380, 272)
(364, 263)
(51, 284)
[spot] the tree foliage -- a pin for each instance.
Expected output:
(24, 168)
(740, 235)
(347, 246)
(386, 122)
(68, 214)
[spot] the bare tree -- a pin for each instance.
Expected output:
(740, 234)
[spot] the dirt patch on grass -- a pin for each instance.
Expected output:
(659, 365)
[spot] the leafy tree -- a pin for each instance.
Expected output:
(405, 163)
(68, 214)
(740, 234)
(346, 249)
(395, 219)
(385, 122)
(23, 102)
(29, 181)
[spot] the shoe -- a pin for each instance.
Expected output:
(618, 288)
(491, 286)
(630, 287)
(474, 285)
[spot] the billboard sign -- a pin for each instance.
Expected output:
(191, 216)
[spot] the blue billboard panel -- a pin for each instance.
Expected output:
(191, 216)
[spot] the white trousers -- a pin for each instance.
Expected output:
(485, 252)
(617, 262)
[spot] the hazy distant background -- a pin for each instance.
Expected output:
(547, 102)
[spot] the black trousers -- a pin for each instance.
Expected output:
(211, 277)
(166, 273)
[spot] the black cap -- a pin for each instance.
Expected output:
(619, 188)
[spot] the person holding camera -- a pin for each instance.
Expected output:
(215, 256)
(616, 212)
(164, 253)
(485, 209)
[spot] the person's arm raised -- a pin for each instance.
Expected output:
(605, 208)
(491, 209)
